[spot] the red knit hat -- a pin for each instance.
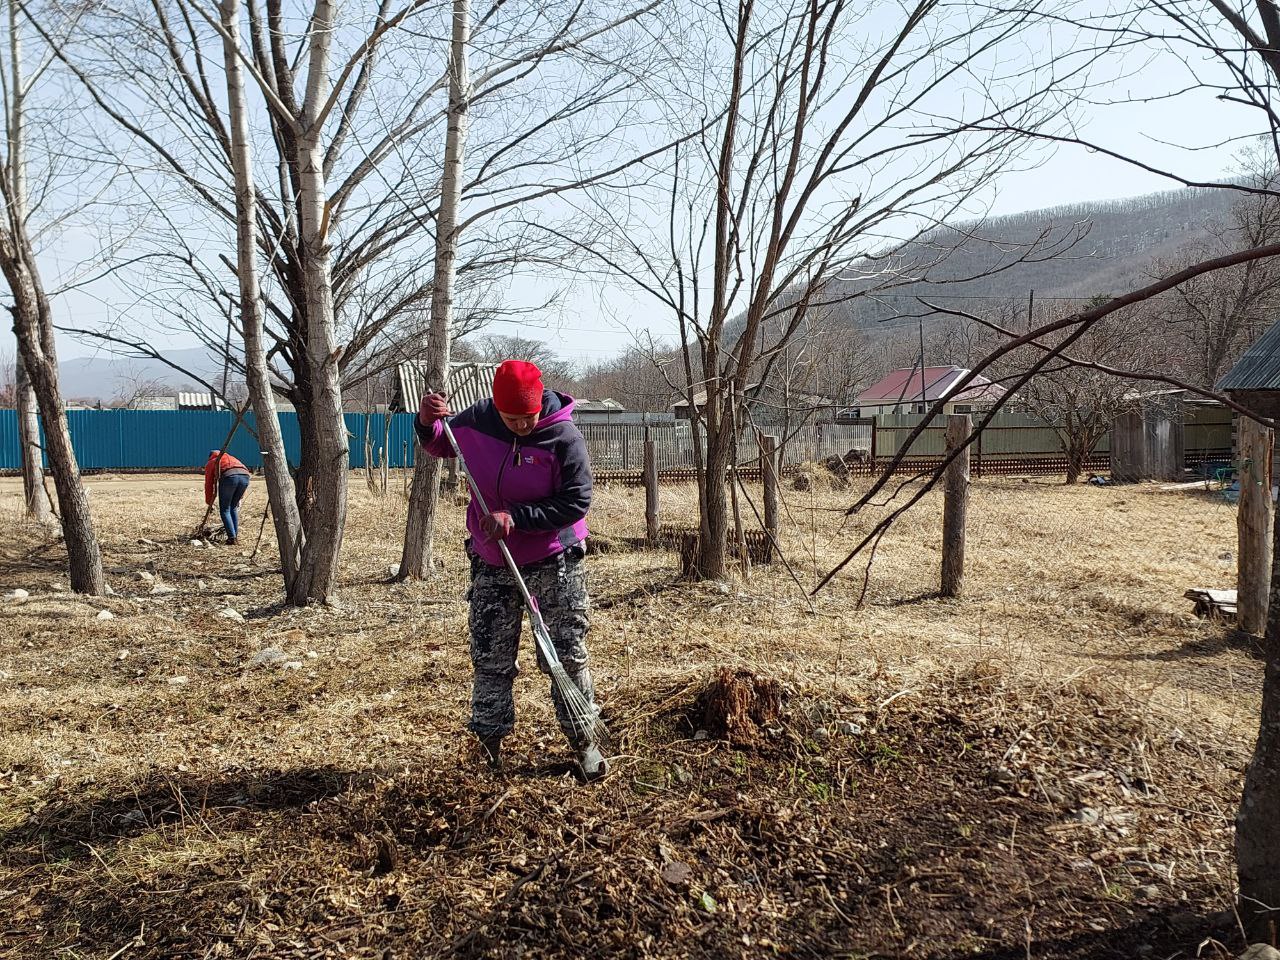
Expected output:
(517, 388)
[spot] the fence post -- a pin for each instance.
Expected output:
(650, 488)
(769, 470)
(977, 456)
(1253, 526)
(955, 501)
(874, 422)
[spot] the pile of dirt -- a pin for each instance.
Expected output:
(832, 473)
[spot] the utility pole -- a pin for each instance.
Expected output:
(923, 401)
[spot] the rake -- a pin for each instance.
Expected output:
(581, 715)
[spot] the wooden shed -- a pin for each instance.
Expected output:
(1254, 383)
(1147, 443)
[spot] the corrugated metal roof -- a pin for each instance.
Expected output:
(903, 386)
(607, 405)
(1259, 368)
(468, 383)
(198, 401)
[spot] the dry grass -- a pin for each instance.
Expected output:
(331, 807)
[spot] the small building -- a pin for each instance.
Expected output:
(1254, 382)
(1147, 443)
(767, 405)
(607, 410)
(912, 390)
(469, 382)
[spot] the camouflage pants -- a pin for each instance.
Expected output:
(559, 586)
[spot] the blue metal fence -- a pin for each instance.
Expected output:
(182, 439)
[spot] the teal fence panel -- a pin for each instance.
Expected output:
(182, 439)
(398, 440)
(10, 448)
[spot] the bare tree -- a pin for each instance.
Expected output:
(376, 190)
(571, 38)
(134, 386)
(16, 392)
(1230, 54)
(424, 497)
(495, 348)
(280, 490)
(634, 378)
(1082, 402)
(802, 174)
(33, 325)
(1214, 318)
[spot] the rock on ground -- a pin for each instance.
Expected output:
(267, 657)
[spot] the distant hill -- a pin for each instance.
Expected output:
(103, 376)
(1117, 242)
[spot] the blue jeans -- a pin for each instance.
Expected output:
(231, 490)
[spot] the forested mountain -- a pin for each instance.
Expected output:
(1072, 251)
(1066, 255)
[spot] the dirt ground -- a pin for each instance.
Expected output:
(1046, 768)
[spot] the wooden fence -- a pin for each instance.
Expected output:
(617, 448)
(1013, 444)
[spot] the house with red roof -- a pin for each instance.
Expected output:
(912, 390)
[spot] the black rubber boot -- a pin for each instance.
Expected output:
(591, 763)
(491, 751)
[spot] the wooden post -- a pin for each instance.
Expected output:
(769, 469)
(1253, 527)
(650, 488)
(954, 504)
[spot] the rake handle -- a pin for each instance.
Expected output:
(540, 633)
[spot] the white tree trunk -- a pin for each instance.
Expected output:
(318, 573)
(36, 497)
(415, 560)
(280, 490)
(33, 324)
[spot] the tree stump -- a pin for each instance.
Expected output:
(736, 705)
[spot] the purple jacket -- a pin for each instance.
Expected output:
(543, 480)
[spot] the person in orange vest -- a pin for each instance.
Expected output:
(229, 478)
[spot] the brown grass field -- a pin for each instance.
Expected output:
(1046, 768)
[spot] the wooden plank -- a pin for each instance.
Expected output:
(769, 470)
(650, 489)
(1253, 526)
(955, 506)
